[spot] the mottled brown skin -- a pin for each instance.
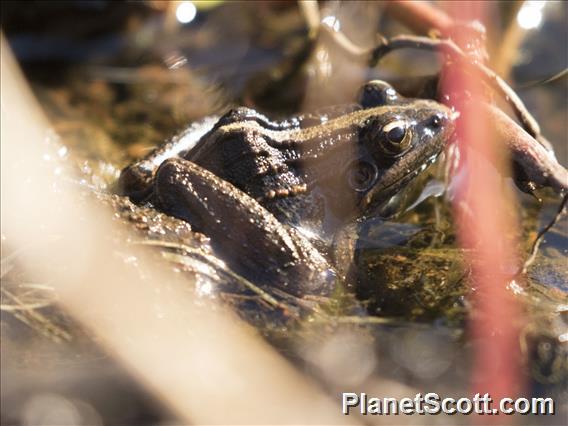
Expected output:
(250, 182)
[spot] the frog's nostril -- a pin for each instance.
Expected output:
(437, 120)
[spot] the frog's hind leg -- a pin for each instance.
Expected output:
(248, 237)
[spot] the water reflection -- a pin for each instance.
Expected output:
(530, 15)
(186, 12)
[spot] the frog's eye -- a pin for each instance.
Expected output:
(377, 93)
(397, 136)
(362, 175)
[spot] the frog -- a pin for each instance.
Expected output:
(261, 189)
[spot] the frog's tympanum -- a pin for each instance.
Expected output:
(254, 186)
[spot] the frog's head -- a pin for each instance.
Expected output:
(398, 139)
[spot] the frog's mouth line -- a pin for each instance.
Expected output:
(372, 197)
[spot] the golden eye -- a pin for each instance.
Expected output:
(397, 137)
(396, 134)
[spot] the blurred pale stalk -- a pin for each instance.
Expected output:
(204, 363)
(483, 209)
(508, 49)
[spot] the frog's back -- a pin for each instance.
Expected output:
(248, 159)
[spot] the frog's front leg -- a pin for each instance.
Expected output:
(245, 234)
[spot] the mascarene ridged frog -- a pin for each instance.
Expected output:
(255, 186)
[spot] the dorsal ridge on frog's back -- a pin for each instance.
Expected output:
(290, 137)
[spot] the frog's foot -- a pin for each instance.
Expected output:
(248, 236)
(135, 181)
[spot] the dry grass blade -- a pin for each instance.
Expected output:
(218, 265)
(26, 291)
(29, 315)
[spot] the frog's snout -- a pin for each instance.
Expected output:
(438, 120)
(443, 118)
(442, 122)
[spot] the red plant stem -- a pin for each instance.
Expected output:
(483, 214)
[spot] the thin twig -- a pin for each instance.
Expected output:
(558, 76)
(449, 48)
(540, 236)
